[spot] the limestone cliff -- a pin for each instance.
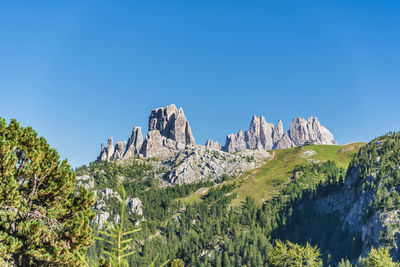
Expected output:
(168, 131)
(266, 136)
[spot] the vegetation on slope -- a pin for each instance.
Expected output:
(267, 181)
(212, 232)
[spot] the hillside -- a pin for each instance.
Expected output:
(210, 210)
(266, 182)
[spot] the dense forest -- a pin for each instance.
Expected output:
(210, 232)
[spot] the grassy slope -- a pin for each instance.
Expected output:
(266, 181)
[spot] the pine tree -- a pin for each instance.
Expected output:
(291, 254)
(378, 258)
(43, 221)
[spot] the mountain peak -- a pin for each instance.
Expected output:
(168, 130)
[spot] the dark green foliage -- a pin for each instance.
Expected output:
(234, 236)
(43, 221)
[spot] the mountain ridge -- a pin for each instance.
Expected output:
(170, 131)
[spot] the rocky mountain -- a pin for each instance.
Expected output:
(265, 136)
(302, 130)
(170, 131)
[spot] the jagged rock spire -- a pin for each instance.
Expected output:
(263, 135)
(172, 124)
(168, 130)
(134, 143)
(302, 130)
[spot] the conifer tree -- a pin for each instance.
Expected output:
(378, 258)
(291, 254)
(43, 221)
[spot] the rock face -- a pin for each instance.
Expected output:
(135, 205)
(200, 163)
(158, 145)
(169, 130)
(134, 142)
(278, 132)
(119, 149)
(235, 142)
(263, 135)
(302, 130)
(172, 124)
(107, 152)
(213, 145)
(260, 134)
(351, 203)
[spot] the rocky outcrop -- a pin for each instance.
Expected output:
(260, 134)
(265, 136)
(100, 219)
(213, 145)
(157, 145)
(119, 150)
(107, 152)
(235, 142)
(108, 198)
(278, 132)
(135, 205)
(172, 124)
(169, 130)
(302, 130)
(351, 203)
(200, 163)
(134, 143)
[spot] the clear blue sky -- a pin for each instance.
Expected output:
(79, 71)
